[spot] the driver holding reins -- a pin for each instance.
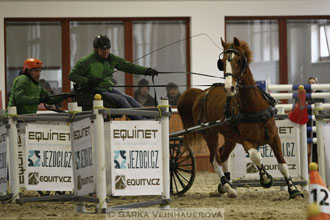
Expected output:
(96, 71)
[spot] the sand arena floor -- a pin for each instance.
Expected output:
(252, 203)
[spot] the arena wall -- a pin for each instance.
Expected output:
(206, 17)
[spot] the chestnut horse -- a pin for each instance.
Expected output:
(248, 116)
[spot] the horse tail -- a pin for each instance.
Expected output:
(185, 109)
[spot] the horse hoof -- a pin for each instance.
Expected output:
(294, 194)
(267, 184)
(221, 189)
(231, 193)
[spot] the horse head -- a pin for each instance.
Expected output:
(234, 62)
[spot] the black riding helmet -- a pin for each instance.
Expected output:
(101, 41)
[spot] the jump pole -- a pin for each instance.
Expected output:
(164, 121)
(13, 152)
(290, 87)
(324, 95)
(101, 191)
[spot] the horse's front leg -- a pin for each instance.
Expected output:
(212, 143)
(284, 169)
(266, 180)
(225, 151)
(225, 185)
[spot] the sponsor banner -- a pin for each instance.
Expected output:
(83, 163)
(3, 159)
(21, 157)
(136, 157)
(48, 157)
(289, 135)
(326, 132)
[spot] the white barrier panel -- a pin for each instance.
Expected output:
(3, 159)
(83, 161)
(49, 158)
(136, 157)
(289, 135)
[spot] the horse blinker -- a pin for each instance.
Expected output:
(220, 64)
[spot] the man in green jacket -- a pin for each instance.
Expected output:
(27, 92)
(96, 71)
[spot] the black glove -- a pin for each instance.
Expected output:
(93, 82)
(44, 99)
(151, 72)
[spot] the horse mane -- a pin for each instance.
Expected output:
(243, 48)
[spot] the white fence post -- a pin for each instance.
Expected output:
(166, 154)
(2, 114)
(303, 154)
(281, 111)
(100, 155)
(13, 152)
(320, 142)
(73, 108)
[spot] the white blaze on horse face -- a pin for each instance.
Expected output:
(230, 88)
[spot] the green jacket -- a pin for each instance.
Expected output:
(25, 95)
(94, 66)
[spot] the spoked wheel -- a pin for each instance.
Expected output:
(182, 167)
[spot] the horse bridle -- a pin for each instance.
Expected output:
(243, 63)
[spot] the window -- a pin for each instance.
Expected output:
(262, 37)
(286, 49)
(34, 39)
(324, 33)
(82, 34)
(171, 58)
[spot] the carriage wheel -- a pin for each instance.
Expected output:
(182, 167)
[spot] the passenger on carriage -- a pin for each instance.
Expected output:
(27, 92)
(96, 69)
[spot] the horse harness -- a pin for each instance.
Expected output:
(231, 118)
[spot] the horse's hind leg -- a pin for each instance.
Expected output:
(225, 151)
(284, 169)
(266, 180)
(211, 137)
